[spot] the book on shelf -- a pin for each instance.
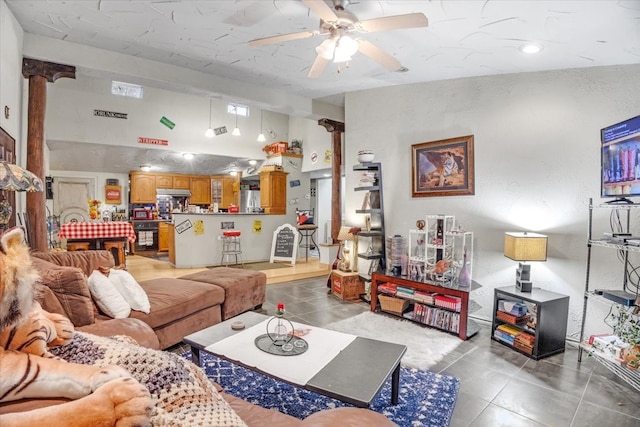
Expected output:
(452, 303)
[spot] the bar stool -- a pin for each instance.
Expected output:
(116, 247)
(307, 231)
(231, 247)
(77, 246)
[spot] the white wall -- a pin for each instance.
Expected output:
(70, 105)
(11, 80)
(537, 162)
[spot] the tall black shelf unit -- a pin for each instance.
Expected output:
(376, 211)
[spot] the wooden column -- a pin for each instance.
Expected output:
(39, 73)
(337, 129)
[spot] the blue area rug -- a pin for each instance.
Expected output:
(425, 398)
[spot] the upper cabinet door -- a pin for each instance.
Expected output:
(181, 182)
(143, 188)
(200, 190)
(164, 181)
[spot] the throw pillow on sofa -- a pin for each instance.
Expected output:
(132, 292)
(107, 297)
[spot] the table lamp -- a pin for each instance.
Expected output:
(345, 236)
(523, 246)
(14, 178)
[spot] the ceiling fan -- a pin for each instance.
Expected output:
(340, 46)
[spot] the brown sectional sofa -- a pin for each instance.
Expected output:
(173, 314)
(179, 307)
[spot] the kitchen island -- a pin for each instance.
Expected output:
(194, 239)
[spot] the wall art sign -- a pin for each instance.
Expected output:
(314, 157)
(168, 123)
(111, 114)
(183, 226)
(152, 141)
(443, 168)
(112, 194)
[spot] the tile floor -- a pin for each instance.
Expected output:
(499, 387)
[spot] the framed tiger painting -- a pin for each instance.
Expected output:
(442, 168)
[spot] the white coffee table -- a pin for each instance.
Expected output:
(356, 375)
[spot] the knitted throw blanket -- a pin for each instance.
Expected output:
(182, 393)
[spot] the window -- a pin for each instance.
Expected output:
(126, 89)
(240, 110)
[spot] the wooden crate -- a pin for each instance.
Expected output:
(346, 286)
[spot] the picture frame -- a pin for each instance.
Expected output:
(443, 168)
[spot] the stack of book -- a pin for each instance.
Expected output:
(425, 297)
(513, 336)
(524, 342)
(451, 303)
(432, 316)
(404, 292)
(387, 288)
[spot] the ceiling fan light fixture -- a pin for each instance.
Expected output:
(327, 48)
(346, 47)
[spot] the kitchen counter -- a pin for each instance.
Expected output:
(196, 237)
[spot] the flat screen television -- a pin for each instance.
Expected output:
(620, 160)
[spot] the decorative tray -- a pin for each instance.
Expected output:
(297, 346)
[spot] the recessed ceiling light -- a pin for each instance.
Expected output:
(530, 48)
(188, 156)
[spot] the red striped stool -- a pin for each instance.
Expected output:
(231, 247)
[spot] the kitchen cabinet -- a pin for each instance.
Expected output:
(200, 187)
(181, 182)
(230, 191)
(142, 188)
(164, 181)
(273, 192)
(225, 190)
(163, 237)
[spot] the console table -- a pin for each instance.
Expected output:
(461, 326)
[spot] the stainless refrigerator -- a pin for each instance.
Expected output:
(249, 201)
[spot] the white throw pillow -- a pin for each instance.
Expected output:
(107, 297)
(131, 290)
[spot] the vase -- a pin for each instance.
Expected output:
(464, 278)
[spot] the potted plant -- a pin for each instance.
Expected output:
(627, 328)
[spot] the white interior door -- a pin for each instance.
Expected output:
(70, 197)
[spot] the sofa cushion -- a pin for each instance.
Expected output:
(130, 289)
(173, 299)
(69, 285)
(87, 261)
(107, 297)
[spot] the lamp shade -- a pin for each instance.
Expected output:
(523, 246)
(15, 178)
(344, 234)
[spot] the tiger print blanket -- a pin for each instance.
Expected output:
(182, 393)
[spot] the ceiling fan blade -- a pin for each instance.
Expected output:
(318, 67)
(321, 9)
(282, 38)
(411, 20)
(379, 55)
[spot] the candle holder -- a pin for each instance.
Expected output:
(280, 338)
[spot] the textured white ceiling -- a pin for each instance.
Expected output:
(463, 39)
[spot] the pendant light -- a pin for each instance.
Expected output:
(236, 130)
(261, 137)
(209, 133)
